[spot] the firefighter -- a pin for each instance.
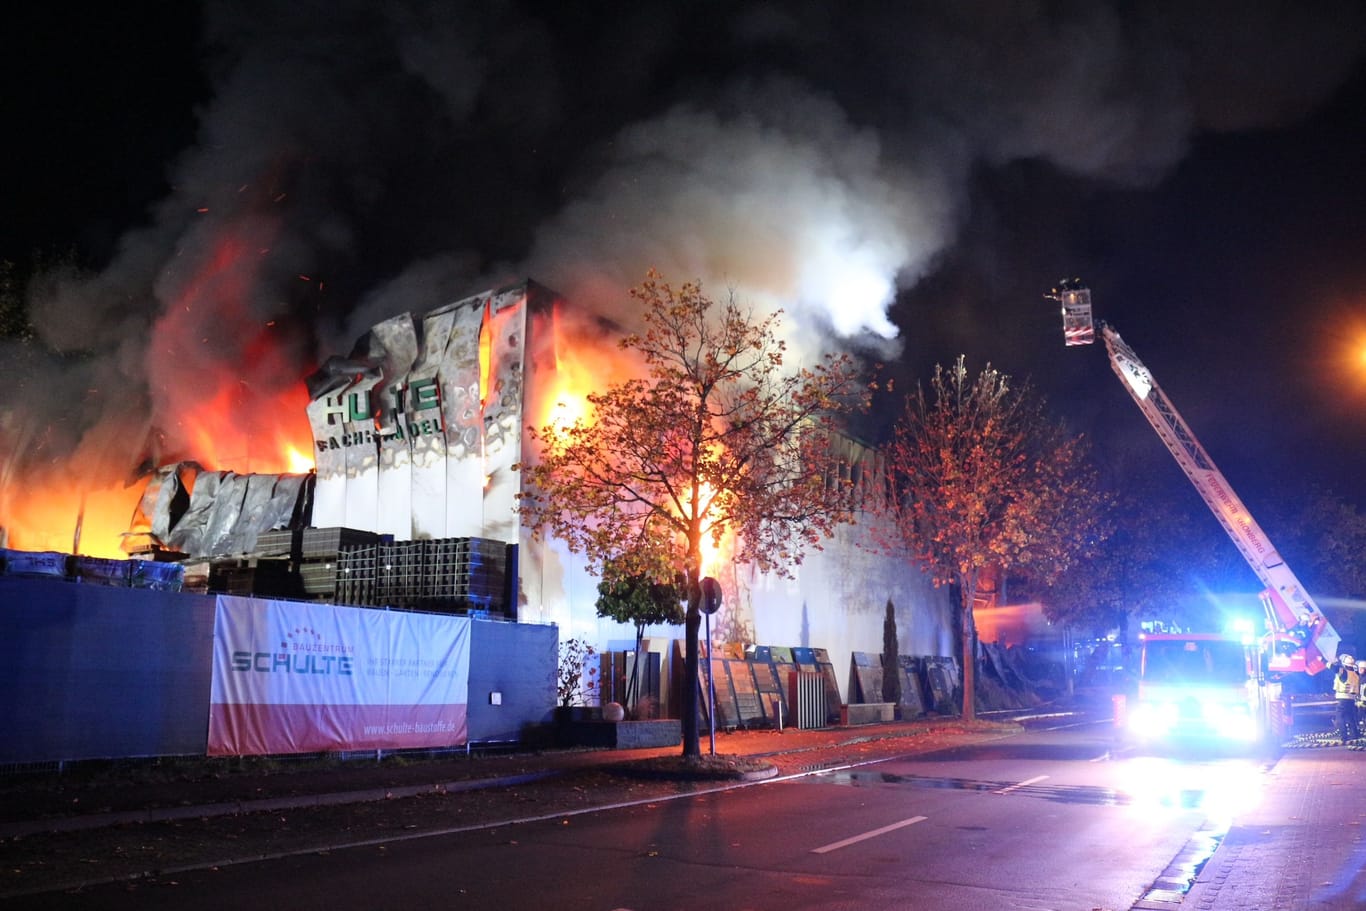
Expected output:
(1361, 696)
(1346, 691)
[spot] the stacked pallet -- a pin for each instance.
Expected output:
(259, 576)
(319, 557)
(448, 575)
(470, 574)
(349, 566)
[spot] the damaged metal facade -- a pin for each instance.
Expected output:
(415, 434)
(187, 510)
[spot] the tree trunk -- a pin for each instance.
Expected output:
(692, 622)
(969, 586)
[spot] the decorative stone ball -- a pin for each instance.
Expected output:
(613, 711)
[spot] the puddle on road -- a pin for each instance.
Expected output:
(1072, 794)
(1171, 886)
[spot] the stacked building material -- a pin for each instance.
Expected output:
(148, 574)
(356, 574)
(365, 569)
(471, 574)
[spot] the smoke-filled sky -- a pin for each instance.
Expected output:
(247, 186)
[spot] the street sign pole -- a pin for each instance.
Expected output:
(711, 689)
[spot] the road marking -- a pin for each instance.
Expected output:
(1023, 784)
(853, 840)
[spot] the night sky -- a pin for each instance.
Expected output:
(905, 180)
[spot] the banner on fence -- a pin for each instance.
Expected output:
(296, 677)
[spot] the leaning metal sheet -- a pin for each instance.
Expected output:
(222, 520)
(188, 534)
(256, 505)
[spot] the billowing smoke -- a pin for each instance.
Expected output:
(358, 159)
(772, 192)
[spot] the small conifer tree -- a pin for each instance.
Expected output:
(891, 660)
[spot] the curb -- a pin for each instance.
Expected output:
(238, 807)
(619, 765)
(683, 774)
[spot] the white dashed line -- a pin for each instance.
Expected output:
(853, 840)
(1023, 784)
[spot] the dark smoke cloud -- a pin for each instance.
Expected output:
(357, 159)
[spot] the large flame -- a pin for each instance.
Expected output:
(581, 361)
(715, 553)
(227, 390)
(70, 510)
(580, 365)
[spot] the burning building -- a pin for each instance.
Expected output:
(417, 434)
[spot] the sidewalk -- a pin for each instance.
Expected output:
(1301, 847)
(192, 788)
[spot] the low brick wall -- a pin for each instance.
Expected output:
(626, 735)
(868, 712)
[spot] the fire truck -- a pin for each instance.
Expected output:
(1216, 685)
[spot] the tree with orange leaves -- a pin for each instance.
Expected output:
(719, 437)
(981, 478)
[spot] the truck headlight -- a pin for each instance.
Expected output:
(1153, 719)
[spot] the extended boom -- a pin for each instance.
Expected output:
(1303, 639)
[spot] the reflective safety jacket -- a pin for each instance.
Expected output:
(1346, 685)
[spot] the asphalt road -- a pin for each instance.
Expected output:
(1047, 819)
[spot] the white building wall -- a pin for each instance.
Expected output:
(836, 601)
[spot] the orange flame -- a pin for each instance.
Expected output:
(485, 355)
(714, 554)
(577, 364)
(229, 395)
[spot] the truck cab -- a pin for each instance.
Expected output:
(1196, 687)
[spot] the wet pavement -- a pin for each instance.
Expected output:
(1300, 847)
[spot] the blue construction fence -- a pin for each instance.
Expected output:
(91, 671)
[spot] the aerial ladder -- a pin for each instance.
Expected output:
(1299, 639)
